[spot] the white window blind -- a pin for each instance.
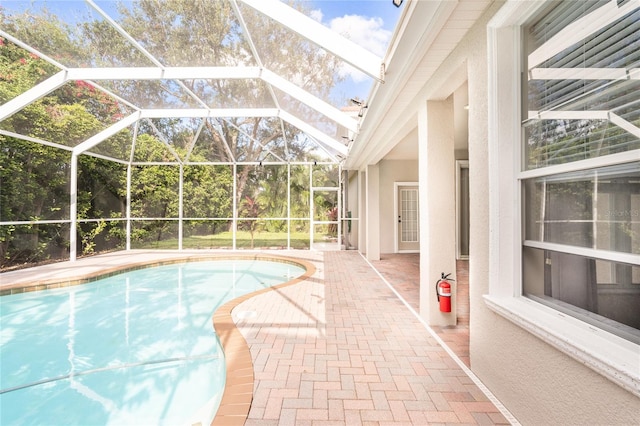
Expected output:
(581, 220)
(583, 82)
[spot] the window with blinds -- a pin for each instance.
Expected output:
(580, 174)
(583, 82)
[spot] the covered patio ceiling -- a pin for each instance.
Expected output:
(201, 66)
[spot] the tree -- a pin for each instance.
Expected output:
(34, 177)
(34, 186)
(207, 33)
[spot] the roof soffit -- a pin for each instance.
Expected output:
(421, 49)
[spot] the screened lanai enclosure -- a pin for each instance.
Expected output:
(172, 125)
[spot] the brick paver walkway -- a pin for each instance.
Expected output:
(402, 271)
(341, 348)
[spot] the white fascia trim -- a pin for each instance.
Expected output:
(515, 13)
(313, 132)
(581, 29)
(584, 74)
(203, 113)
(609, 355)
(312, 101)
(106, 133)
(420, 25)
(33, 94)
(322, 36)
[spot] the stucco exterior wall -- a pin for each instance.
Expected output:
(392, 171)
(537, 383)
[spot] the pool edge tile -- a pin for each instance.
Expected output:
(239, 383)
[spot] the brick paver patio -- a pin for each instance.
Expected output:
(341, 348)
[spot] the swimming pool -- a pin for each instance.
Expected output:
(133, 348)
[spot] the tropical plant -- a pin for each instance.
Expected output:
(250, 209)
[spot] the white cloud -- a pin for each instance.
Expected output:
(364, 31)
(317, 15)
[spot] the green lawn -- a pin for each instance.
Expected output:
(299, 240)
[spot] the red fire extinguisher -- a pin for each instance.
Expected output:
(443, 290)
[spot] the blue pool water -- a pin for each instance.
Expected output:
(135, 348)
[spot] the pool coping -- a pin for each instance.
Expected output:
(238, 391)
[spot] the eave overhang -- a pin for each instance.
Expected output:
(428, 32)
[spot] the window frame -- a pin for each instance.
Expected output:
(610, 355)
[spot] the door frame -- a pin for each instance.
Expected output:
(460, 164)
(396, 188)
(313, 222)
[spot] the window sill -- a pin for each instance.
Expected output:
(613, 357)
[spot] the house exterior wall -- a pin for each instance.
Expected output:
(372, 224)
(437, 201)
(537, 383)
(362, 211)
(392, 171)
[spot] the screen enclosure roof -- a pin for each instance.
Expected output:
(251, 79)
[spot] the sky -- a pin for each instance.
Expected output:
(369, 23)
